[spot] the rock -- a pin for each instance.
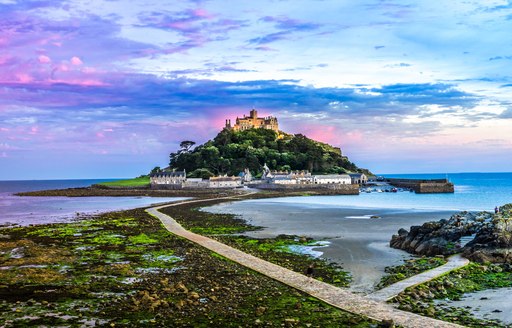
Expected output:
(193, 295)
(387, 324)
(260, 310)
(492, 242)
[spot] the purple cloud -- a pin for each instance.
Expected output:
(196, 26)
(286, 26)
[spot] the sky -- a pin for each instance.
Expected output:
(108, 88)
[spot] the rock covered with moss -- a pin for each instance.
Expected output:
(480, 236)
(493, 243)
(440, 237)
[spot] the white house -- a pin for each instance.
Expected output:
(332, 178)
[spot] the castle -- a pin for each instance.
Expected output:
(253, 121)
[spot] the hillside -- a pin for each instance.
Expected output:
(230, 152)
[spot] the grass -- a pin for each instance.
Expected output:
(135, 182)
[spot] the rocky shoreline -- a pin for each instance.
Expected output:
(480, 237)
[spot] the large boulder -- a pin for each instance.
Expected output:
(493, 243)
(441, 237)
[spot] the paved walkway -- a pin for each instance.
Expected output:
(387, 293)
(338, 297)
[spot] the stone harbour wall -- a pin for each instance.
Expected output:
(339, 189)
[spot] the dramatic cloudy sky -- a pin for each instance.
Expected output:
(107, 88)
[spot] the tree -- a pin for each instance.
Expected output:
(156, 169)
(232, 151)
(186, 145)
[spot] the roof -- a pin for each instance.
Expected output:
(177, 174)
(356, 175)
(224, 178)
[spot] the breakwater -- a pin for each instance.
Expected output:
(424, 186)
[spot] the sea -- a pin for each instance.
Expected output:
(357, 229)
(16, 210)
(473, 191)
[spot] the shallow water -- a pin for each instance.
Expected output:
(41, 210)
(485, 303)
(356, 241)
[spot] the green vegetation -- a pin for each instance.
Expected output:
(141, 181)
(125, 270)
(471, 278)
(410, 268)
(230, 152)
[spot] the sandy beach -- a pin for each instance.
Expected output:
(357, 241)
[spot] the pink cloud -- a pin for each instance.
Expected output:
(202, 13)
(44, 59)
(76, 61)
(24, 78)
(34, 130)
(4, 59)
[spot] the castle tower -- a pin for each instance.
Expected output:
(253, 121)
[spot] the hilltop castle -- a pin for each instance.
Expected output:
(253, 121)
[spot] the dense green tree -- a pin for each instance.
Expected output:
(230, 152)
(156, 169)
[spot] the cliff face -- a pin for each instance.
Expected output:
(230, 152)
(479, 236)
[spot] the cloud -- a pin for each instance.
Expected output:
(196, 26)
(500, 58)
(506, 113)
(76, 61)
(286, 26)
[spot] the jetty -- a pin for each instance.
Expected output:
(423, 186)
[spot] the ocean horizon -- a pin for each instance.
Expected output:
(473, 191)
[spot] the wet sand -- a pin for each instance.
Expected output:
(358, 242)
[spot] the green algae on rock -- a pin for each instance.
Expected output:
(124, 269)
(473, 277)
(410, 268)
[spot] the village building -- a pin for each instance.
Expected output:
(358, 178)
(332, 178)
(246, 176)
(254, 122)
(175, 178)
(196, 183)
(225, 182)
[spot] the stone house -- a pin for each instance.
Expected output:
(176, 178)
(359, 178)
(225, 182)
